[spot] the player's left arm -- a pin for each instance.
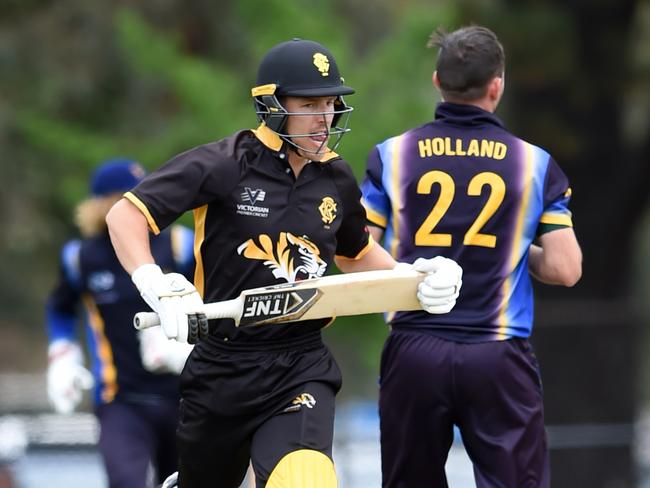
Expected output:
(376, 257)
(66, 375)
(357, 251)
(377, 233)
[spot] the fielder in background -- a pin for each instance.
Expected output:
(463, 187)
(271, 205)
(135, 374)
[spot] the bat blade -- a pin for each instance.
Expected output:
(332, 296)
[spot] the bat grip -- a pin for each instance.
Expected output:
(228, 309)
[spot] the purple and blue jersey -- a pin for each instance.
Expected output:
(91, 276)
(465, 188)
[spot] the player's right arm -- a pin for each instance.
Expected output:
(187, 181)
(129, 233)
(556, 259)
(170, 295)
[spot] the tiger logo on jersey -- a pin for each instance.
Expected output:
(291, 258)
(327, 209)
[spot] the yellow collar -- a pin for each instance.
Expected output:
(271, 140)
(267, 137)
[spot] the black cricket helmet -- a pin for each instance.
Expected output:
(299, 68)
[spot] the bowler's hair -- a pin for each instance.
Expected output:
(468, 59)
(90, 215)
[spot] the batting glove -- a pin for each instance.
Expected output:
(66, 376)
(439, 290)
(175, 300)
(161, 355)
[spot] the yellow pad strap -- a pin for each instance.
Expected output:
(305, 468)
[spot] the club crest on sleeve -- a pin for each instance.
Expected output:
(304, 399)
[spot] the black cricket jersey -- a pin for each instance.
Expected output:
(255, 223)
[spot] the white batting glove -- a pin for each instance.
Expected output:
(439, 290)
(66, 376)
(175, 300)
(160, 354)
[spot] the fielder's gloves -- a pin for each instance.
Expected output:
(439, 290)
(160, 354)
(66, 376)
(171, 481)
(176, 302)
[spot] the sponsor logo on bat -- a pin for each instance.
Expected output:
(270, 307)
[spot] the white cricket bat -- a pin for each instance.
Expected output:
(330, 296)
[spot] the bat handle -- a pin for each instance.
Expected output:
(228, 309)
(144, 320)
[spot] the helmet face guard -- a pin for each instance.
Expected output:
(272, 113)
(300, 68)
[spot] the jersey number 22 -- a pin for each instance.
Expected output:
(473, 237)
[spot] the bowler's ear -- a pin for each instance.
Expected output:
(436, 81)
(495, 88)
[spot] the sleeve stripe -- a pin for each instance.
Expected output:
(395, 166)
(145, 211)
(556, 219)
(375, 217)
(362, 253)
(199, 236)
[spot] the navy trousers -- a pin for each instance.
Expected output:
(490, 390)
(134, 437)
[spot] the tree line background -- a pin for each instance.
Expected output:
(81, 82)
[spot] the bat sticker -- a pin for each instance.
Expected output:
(271, 307)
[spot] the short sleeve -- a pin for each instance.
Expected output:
(374, 196)
(352, 237)
(188, 181)
(557, 195)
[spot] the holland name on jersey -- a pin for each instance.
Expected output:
(445, 146)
